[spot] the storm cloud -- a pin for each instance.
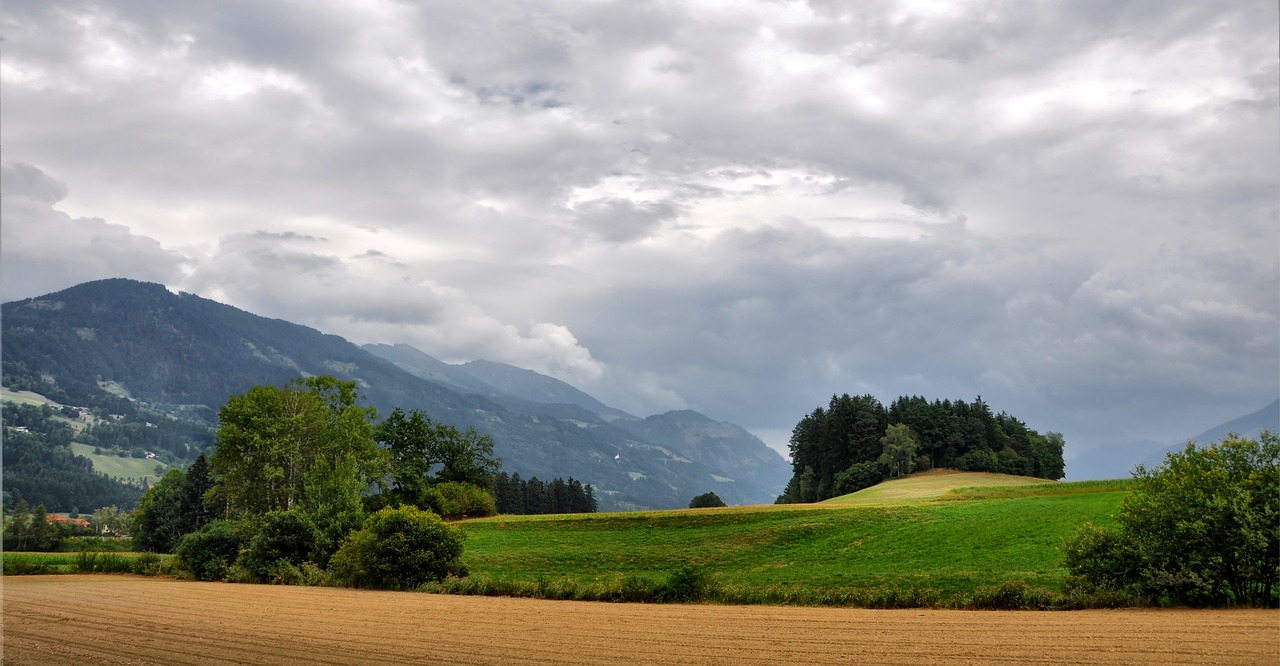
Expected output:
(1072, 209)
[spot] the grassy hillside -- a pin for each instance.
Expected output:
(120, 468)
(930, 485)
(949, 547)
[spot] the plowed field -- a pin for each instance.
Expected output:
(121, 619)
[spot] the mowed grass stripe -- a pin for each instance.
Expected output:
(931, 485)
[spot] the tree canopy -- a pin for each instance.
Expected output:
(270, 439)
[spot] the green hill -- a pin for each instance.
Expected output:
(802, 553)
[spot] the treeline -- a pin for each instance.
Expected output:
(856, 442)
(515, 496)
(40, 469)
(31, 529)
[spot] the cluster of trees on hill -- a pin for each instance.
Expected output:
(856, 442)
(40, 469)
(305, 482)
(517, 496)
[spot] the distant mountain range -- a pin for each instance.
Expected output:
(1113, 461)
(185, 355)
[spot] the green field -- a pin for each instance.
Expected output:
(25, 397)
(117, 467)
(950, 547)
(54, 563)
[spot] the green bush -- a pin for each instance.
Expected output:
(399, 548)
(209, 553)
(147, 564)
(686, 584)
(636, 589)
(454, 500)
(91, 562)
(1010, 595)
(281, 539)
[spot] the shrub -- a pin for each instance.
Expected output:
(454, 500)
(286, 537)
(399, 548)
(208, 553)
(636, 589)
(686, 584)
(1010, 595)
(147, 564)
(91, 562)
(706, 500)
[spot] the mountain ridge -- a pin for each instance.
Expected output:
(188, 354)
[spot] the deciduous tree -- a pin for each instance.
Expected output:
(1202, 528)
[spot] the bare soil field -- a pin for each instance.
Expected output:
(102, 619)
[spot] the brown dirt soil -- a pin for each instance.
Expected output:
(104, 619)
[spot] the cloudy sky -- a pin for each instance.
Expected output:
(740, 207)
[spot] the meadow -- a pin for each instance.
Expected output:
(116, 467)
(945, 540)
(924, 550)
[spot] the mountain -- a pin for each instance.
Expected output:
(741, 454)
(1249, 425)
(115, 341)
(533, 387)
(1117, 460)
(498, 381)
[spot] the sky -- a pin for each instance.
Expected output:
(1070, 208)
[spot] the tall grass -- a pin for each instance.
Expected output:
(24, 564)
(1012, 595)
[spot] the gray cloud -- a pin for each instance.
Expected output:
(1068, 207)
(46, 249)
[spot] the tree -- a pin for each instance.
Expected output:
(859, 476)
(107, 520)
(270, 438)
(706, 500)
(194, 507)
(399, 548)
(1202, 528)
(207, 553)
(424, 453)
(17, 529)
(899, 446)
(156, 525)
